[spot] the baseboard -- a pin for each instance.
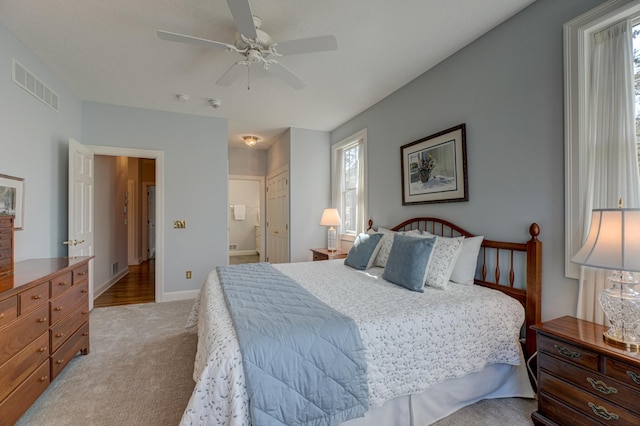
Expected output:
(242, 253)
(98, 290)
(179, 295)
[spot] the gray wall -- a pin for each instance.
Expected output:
(195, 150)
(247, 162)
(33, 146)
(309, 191)
(507, 87)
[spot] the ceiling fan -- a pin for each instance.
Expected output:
(256, 46)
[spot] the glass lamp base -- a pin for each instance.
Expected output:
(621, 304)
(332, 239)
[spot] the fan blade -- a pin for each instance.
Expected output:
(231, 74)
(283, 73)
(307, 45)
(166, 35)
(241, 12)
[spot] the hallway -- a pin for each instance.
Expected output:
(138, 286)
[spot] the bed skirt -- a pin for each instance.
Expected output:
(495, 381)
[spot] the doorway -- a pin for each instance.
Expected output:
(245, 220)
(154, 269)
(124, 201)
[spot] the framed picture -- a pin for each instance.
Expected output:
(12, 199)
(434, 169)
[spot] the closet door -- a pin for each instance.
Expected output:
(278, 217)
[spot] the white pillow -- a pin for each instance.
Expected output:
(443, 260)
(465, 270)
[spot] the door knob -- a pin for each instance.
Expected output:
(73, 242)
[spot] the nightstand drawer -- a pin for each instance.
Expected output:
(568, 352)
(562, 414)
(594, 407)
(625, 373)
(590, 381)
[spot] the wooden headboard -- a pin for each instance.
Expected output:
(512, 268)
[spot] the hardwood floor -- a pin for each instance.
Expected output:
(138, 286)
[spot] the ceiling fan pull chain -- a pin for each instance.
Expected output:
(249, 77)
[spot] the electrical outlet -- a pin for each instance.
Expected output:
(188, 275)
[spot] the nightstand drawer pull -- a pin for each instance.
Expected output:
(564, 351)
(634, 377)
(602, 412)
(601, 387)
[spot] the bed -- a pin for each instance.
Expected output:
(427, 353)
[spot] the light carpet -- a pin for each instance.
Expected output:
(139, 373)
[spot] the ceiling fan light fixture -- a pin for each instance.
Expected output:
(251, 141)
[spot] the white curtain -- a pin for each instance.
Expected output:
(608, 153)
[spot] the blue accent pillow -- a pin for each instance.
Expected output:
(408, 260)
(363, 251)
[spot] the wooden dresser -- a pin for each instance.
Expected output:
(44, 323)
(581, 379)
(6, 245)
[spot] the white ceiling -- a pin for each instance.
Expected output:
(107, 51)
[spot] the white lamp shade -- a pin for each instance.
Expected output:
(613, 241)
(330, 217)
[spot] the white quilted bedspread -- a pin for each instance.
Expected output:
(412, 340)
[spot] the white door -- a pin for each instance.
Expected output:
(278, 218)
(151, 209)
(81, 175)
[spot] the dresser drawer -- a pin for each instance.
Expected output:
(77, 342)
(27, 300)
(627, 374)
(590, 381)
(18, 368)
(68, 325)
(562, 414)
(8, 310)
(22, 332)
(21, 399)
(568, 352)
(5, 253)
(5, 266)
(60, 284)
(62, 305)
(5, 244)
(80, 274)
(592, 406)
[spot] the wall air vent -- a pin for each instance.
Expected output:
(32, 84)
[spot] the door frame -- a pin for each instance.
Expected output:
(263, 207)
(159, 157)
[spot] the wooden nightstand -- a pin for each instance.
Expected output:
(583, 380)
(324, 254)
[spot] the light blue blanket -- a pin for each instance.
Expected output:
(303, 361)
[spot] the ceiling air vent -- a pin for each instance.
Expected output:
(32, 84)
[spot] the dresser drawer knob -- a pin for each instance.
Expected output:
(84, 290)
(564, 351)
(85, 312)
(36, 297)
(2, 316)
(44, 378)
(59, 334)
(601, 387)
(81, 273)
(62, 283)
(60, 361)
(634, 377)
(602, 412)
(58, 309)
(42, 349)
(86, 333)
(42, 319)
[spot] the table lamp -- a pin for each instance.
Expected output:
(331, 218)
(614, 243)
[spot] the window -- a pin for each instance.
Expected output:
(636, 76)
(349, 184)
(577, 45)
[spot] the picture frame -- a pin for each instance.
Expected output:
(12, 199)
(434, 168)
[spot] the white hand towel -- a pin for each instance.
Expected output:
(239, 211)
